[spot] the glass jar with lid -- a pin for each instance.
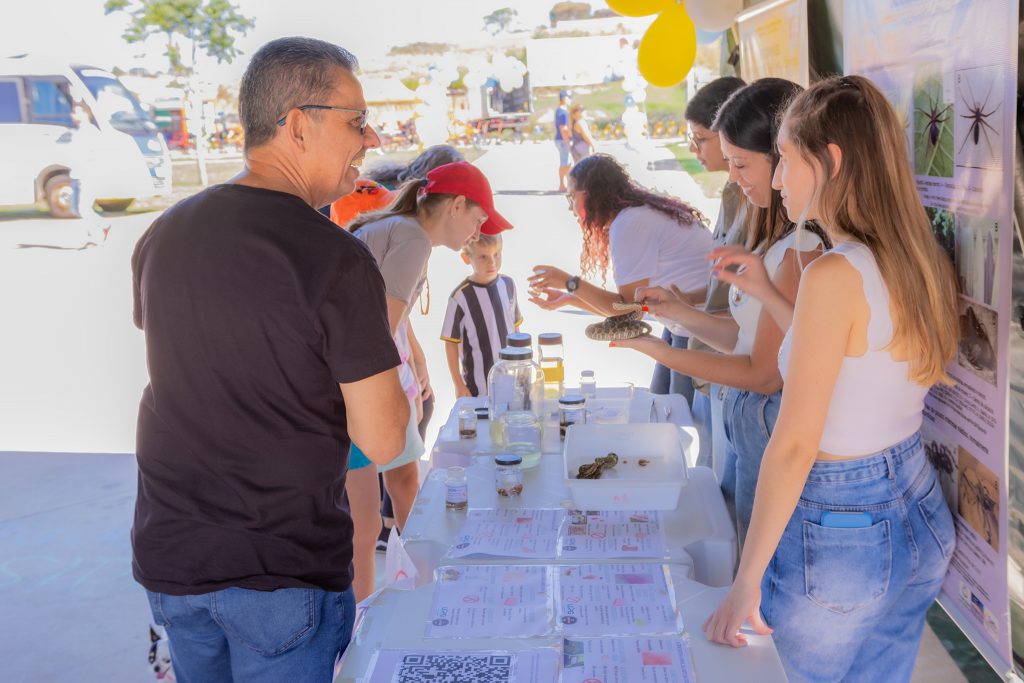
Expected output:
(572, 409)
(514, 389)
(519, 340)
(588, 384)
(508, 474)
(551, 356)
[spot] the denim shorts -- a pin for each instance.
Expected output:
(563, 152)
(849, 604)
(748, 419)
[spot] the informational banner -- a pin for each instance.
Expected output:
(773, 41)
(949, 67)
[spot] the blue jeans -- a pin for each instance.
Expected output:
(849, 604)
(749, 420)
(291, 634)
(668, 381)
(701, 411)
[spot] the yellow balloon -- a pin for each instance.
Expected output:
(668, 48)
(639, 8)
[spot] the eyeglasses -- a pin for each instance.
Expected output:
(571, 197)
(697, 140)
(363, 114)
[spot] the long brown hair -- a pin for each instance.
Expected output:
(407, 203)
(873, 199)
(608, 190)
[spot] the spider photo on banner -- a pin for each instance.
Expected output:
(978, 109)
(933, 124)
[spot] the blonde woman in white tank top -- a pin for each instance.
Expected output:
(850, 538)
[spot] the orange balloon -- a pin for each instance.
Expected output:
(639, 8)
(668, 48)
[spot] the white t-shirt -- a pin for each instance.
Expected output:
(745, 309)
(645, 243)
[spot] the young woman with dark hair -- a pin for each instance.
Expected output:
(731, 228)
(749, 340)
(651, 240)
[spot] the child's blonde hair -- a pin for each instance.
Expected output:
(483, 240)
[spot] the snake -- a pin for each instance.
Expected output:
(626, 326)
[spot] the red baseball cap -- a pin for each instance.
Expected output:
(463, 178)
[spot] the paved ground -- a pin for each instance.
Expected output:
(72, 368)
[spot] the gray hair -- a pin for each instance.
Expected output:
(284, 74)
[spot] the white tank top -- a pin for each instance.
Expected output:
(745, 309)
(874, 404)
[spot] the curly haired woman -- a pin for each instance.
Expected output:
(649, 239)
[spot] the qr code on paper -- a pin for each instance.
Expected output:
(461, 668)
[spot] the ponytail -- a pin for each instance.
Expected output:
(405, 204)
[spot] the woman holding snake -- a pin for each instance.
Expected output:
(649, 239)
(749, 340)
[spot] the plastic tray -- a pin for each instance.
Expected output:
(628, 485)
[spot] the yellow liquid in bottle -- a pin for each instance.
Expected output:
(554, 371)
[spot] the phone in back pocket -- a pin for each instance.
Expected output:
(845, 520)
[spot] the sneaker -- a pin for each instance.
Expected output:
(382, 546)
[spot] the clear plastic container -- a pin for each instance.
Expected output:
(551, 354)
(588, 384)
(456, 489)
(508, 475)
(514, 390)
(572, 409)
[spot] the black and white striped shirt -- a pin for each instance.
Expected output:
(480, 317)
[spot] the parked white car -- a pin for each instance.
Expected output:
(126, 159)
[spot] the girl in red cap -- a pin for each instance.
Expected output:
(450, 208)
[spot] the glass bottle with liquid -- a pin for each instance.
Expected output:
(588, 384)
(551, 354)
(514, 388)
(456, 487)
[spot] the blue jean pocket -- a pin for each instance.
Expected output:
(157, 608)
(847, 569)
(267, 622)
(936, 515)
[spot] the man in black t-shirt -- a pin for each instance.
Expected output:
(269, 348)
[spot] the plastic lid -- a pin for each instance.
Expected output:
(508, 459)
(519, 340)
(515, 353)
(587, 373)
(572, 400)
(549, 338)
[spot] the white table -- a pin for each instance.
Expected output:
(398, 620)
(700, 552)
(698, 533)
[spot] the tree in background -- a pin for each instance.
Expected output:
(499, 20)
(207, 25)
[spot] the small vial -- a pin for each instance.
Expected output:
(467, 423)
(571, 411)
(508, 474)
(456, 489)
(588, 384)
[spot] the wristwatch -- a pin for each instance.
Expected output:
(572, 284)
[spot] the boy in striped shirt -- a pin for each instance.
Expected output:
(482, 311)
